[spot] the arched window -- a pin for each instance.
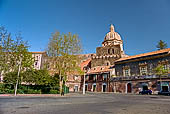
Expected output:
(107, 63)
(108, 51)
(113, 51)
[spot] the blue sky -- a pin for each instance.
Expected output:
(141, 23)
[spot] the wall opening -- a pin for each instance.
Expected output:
(129, 88)
(104, 88)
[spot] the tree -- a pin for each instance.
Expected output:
(63, 50)
(41, 78)
(161, 71)
(161, 45)
(14, 55)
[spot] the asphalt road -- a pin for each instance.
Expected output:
(108, 103)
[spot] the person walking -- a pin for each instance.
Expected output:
(62, 92)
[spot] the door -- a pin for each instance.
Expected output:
(86, 87)
(94, 88)
(76, 88)
(129, 88)
(104, 88)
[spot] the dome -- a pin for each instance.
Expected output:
(112, 34)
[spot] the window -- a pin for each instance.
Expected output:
(104, 77)
(165, 67)
(75, 77)
(143, 70)
(113, 51)
(91, 77)
(107, 63)
(126, 72)
(86, 77)
(94, 77)
(108, 51)
(36, 63)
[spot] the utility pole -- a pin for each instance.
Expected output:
(16, 86)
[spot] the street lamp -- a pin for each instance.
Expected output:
(84, 81)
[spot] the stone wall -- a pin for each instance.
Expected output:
(109, 50)
(136, 85)
(103, 61)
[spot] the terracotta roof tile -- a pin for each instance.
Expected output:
(144, 54)
(85, 63)
(41, 52)
(99, 69)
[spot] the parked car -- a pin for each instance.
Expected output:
(164, 93)
(148, 92)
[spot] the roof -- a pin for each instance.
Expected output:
(144, 54)
(99, 69)
(85, 63)
(41, 52)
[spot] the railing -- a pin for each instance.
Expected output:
(137, 77)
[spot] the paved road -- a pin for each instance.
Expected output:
(108, 103)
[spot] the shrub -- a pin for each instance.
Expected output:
(32, 91)
(54, 92)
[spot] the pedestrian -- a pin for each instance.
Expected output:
(62, 92)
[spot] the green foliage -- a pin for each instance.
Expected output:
(11, 51)
(14, 57)
(37, 77)
(160, 70)
(54, 91)
(161, 45)
(28, 89)
(42, 77)
(63, 49)
(6, 88)
(55, 80)
(10, 78)
(41, 80)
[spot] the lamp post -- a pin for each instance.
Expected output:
(84, 84)
(84, 81)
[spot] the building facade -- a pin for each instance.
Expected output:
(102, 64)
(38, 64)
(137, 73)
(74, 81)
(39, 58)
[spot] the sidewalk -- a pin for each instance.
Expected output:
(35, 95)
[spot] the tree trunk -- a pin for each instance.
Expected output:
(60, 83)
(16, 86)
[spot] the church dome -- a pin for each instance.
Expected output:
(112, 34)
